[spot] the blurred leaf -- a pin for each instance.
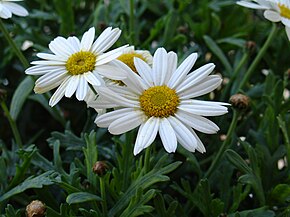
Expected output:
(20, 95)
(281, 193)
(237, 161)
(64, 9)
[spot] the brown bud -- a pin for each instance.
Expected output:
(36, 209)
(240, 101)
(3, 95)
(100, 168)
(251, 46)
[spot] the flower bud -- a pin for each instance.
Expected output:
(36, 209)
(251, 46)
(100, 168)
(240, 101)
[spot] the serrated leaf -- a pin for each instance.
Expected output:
(20, 95)
(81, 197)
(31, 182)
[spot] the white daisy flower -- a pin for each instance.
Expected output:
(159, 99)
(7, 8)
(130, 53)
(275, 10)
(75, 64)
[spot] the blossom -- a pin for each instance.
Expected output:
(7, 8)
(275, 10)
(159, 100)
(75, 64)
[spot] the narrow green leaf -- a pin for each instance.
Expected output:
(218, 52)
(81, 197)
(237, 161)
(20, 95)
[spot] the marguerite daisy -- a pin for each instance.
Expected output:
(275, 10)
(159, 99)
(7, 8)
(75, 64)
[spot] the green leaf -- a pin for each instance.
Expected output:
(65, 10)
(81, 197)
(20, 95)
(237, 161)
(152, 177)
(30, 182)
(218, 52)
(281, 193)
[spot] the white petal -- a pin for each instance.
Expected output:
(251, 5)
(87, 39)
(167, 135)
(106, 40)
(127, 122)
(197, 122)
(203, 108)
(110, 71)
(48, 62)
(146, 134)
(183, 134)
(41, 69)
(285, 21)
(273, 16)
(114, 97)
(159, 68)
(49, 86)
(288, 32)
(75, 44)
(194, 77)
(59, 93)
(16, 9)
(92, 79)
(72, 85)
(182, 71)
(205, 86)
(82, 88)
(200, 147)
(172, 65)
(106, 119)
(60, 47)
(144, 71)
(51, 77)
(5, 13)
(109, 56)
(47, 56)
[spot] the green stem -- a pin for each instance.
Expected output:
(147, 159)
(14, 46)
(132, 21)
(224, 146)
(12, 124)
(103, 195)
(234, 76)
(256, 61)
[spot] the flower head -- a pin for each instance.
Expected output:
(8, 7)
(275, 10)
(159, 99)
(74, 64)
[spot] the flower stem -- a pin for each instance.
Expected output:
(13, 45)
(224, 146)
(256, 61)
(147, 159)
(12, 124)
(103, 195)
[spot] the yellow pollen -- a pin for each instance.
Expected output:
(159, 101)
(81, 62)
(284, 11)
(128, 59)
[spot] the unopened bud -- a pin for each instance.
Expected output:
(240, 101)
(100, 168)
(36, 209)
(3, 95)
(251, 46)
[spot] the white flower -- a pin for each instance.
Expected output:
(159, 99)
(75, 64)
(7, 8)
(275, 10)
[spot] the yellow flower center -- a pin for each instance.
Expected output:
(128, 59)
(81, 62)
(159, 101)
(284, 10)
